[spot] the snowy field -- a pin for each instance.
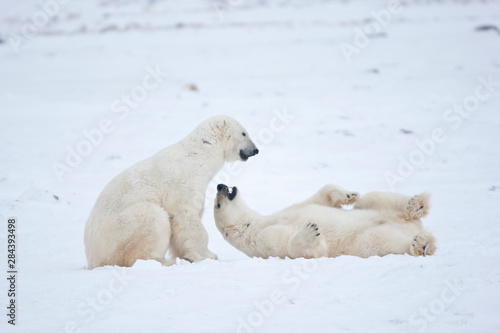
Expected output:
(370, 95)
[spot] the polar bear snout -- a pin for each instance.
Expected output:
(248, 152)
(228, 192)
(221, 187)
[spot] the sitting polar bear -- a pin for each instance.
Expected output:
(157, 204)
(379, 224)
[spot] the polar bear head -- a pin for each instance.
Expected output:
(234, 219)
(230, 136)
(229, 207)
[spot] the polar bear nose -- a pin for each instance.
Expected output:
(228, 192)
(248, 152)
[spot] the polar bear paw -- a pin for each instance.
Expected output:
(307, 242)
(195, 257)
(337, 196)
(423, 244)
(310, 233)
(306, 237)
(418, 206)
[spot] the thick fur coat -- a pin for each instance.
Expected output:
(157, 204)
(379, 224)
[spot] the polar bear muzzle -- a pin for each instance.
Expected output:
(228, 192)
(248, 152)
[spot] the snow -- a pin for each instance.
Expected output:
(278, 67)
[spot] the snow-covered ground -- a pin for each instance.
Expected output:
(369, 95)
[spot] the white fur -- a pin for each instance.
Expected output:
(157, 204)
(381, 224)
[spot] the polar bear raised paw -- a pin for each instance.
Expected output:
(337, 196)
(423, 244)
(418, 206)
(306, 242)
(310, 233)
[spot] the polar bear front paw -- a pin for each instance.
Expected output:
(307, 236)
(195, 257)
(423, 244)
(307, 242)
(337, 196)
(310, 232)
(351, 197)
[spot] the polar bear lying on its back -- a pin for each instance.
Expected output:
(157, 204)
(379, 224)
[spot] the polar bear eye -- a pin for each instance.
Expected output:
(218, 205)
(244, 134)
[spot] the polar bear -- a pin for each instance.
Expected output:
(379, 224)
(157, 204)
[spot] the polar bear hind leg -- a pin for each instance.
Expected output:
(149, 240)
(393, 238)
(423, 244)
(418, 206)
(408, 208)
(307, 242)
